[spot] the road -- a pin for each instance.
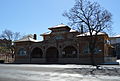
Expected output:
(27, 72)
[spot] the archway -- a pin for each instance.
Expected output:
(36, 53)
(69, 52)
(52, 55)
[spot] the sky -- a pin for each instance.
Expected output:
(36, 16)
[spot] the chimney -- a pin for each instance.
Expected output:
(35, 37)
(81, 29)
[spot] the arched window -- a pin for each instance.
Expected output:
(22, 52)
(69, 52)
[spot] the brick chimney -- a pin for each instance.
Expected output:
(35, 37)
(81, 29)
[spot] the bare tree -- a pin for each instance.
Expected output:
(9, 36)
(92, 17)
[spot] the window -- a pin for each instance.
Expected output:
(58, 37)
(97, 50)
(86, 49)
(21, 52)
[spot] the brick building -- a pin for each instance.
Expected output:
(115, 42)
(61, 45)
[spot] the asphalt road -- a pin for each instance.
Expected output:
(24, 72)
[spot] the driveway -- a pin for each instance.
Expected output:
(29, 72)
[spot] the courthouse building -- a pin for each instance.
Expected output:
(61, 45)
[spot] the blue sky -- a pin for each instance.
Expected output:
(36, 16)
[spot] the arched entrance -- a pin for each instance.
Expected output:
(36, 53)
(69, 52)
(52, 55)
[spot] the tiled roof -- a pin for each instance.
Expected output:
(27, 39)
(59, 26)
